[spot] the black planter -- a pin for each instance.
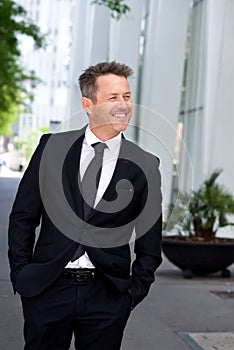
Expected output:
(199, 258)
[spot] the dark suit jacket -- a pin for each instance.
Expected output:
(54, 167)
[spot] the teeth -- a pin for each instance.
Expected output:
(119, 115)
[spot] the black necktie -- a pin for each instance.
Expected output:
(89, 186)
(91, 179)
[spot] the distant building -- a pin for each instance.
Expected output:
(54, 17)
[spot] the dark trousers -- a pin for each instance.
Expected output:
(92, 311)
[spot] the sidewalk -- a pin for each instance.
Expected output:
(178, 314)
(177, 309)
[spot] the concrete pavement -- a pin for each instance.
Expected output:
(178, 314)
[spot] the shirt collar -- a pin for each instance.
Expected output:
(90, 139)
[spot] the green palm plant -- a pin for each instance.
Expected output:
(207, 210)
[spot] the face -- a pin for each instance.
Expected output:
(111, 112)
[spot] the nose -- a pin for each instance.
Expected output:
(120, 99)
(121, 103)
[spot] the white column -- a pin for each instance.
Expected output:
(124, 47)
(193, 134)
(90, 43)
(219, 111)
(161, 81)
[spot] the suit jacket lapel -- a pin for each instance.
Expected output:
(122, 168)
(71, 176)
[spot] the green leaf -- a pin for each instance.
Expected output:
(117, 7)
(16, 82)
(208, 209)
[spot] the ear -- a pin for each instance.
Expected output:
(86, 103)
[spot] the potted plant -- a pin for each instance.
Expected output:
(194, 221)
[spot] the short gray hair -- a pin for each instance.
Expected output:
(87, 80)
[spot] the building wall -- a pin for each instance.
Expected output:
(154, 39)
(191, 168)
(220, 90)
(90, 42)
(162, 82)
(209, 105)
(151, 39)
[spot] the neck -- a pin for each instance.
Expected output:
(102, 134)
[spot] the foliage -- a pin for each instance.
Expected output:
(175, 212)
(16, 82)
(7, 118)
(117, 7)
(29, 140)
(207, 210)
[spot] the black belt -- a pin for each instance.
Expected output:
(81, 275)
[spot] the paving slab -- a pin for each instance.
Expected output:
(209, 340)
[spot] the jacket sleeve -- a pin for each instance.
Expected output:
(148, 239)
(25, 215)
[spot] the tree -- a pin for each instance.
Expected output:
(16, 82)
(117, 7)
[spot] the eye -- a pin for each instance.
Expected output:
(127, 97)
(112, 98)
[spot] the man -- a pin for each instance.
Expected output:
(77, 278)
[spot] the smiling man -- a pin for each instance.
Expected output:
(78, 278)
(109, 104)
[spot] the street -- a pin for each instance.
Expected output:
(11, 316)
(178, 314)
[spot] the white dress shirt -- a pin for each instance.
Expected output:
(110, 157)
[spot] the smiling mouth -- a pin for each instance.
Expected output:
(119, 115)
